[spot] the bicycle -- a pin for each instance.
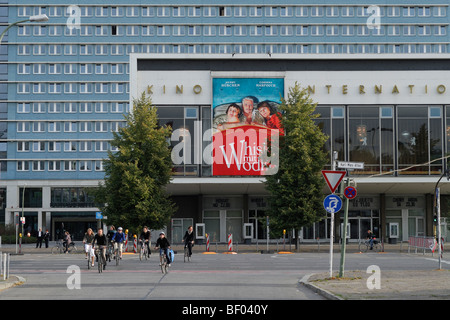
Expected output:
(365, 246)
(165, 263)
(89, 260)
(109, 252)
(59, 248)
(117, 254)
(101, 260)
(187, 257)
(143, 252)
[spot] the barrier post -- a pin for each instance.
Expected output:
(230, 242)
(126, 240)
(135, 244)
(207, 242)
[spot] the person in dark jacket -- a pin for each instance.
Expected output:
(163, 244)
(188, 239)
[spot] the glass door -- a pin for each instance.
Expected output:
(211, 218)
(234, 224)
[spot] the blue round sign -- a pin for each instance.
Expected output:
(332, 203)
(350, 192)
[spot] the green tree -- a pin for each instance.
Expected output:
(296, 197)
(133, 191)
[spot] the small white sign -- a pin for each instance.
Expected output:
(350, 165)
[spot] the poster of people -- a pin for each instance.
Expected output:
(246, 125)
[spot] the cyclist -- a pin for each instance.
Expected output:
(371, 238)
(87, 241)
(111, 232)
(118, 239)
(189, 239)
(102, 242)
(145, 239)
(163, 244)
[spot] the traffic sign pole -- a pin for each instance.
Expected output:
(344, 231)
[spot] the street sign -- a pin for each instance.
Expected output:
(350, 165)
(350, 192)
(332, 203)
(333, 178)
(98, 215)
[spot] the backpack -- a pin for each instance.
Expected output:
(171, 255)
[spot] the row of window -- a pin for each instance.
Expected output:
(82, 87)
(272, 48)
(66, 146)
(72, 107)
(228, 30)
(236, 11)
(59, 165)
(72, 68)
(69, 126)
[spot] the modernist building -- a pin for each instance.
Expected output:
(378, 71)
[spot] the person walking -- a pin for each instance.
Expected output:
(39, 238)
(46, 238)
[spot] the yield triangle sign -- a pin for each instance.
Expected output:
(333, 178)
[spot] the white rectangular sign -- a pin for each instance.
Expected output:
(350, 165)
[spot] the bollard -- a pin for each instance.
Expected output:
(135, 244)
(126, 241)
(207, 242)
(230, 242)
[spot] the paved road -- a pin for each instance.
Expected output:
(207, 277)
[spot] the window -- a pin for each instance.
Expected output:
(54, 165)
(99, 165)
(23, 126)
(54, 146)
(38, 146)
(70, 107)
(408, 11)
(23, 166)
(54, 126)
(54, 88)
(23, 68)
(101, 146)
(70, 146)
(85, 165)
(38, 165)
(101, 126)
(85, 107)
(85, 126)
(23, 146)
(38, 126)
(23, 108)
(70, 165)
(85, 146)
(70, 126)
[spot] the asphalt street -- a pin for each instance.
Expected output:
(243, 276)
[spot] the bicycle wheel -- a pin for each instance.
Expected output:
(100, 262)
(186, 254)
(141, 252)
(56, 250)
(117, 256)
(363, 247)
(73, 249)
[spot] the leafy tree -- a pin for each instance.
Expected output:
(133, 191)
(296, 188)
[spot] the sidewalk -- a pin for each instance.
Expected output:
(394, 285)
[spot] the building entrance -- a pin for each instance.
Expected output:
(220, 223)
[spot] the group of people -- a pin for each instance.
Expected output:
(118, 238)
(264, 114)
(42, 236)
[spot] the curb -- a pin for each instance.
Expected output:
(11, 283)
(326, 294)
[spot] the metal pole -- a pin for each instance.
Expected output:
(333, 162)
(438, 222)
(344, 231)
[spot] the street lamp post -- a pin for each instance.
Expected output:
(36, 18)
(437, 211)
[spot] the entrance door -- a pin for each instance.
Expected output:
(220, 223)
